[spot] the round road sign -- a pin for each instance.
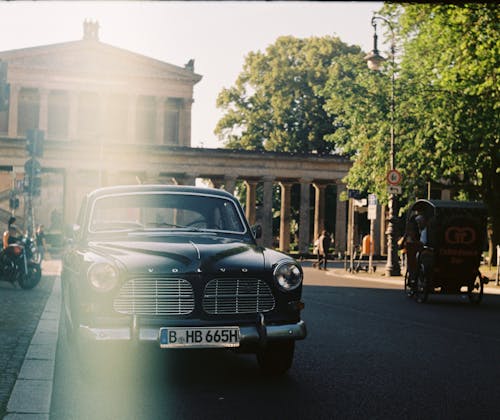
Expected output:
(394, 177)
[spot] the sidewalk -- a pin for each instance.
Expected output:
(31, 395)
(336, 268)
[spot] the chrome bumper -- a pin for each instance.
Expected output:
(248, 334)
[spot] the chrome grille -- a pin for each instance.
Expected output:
(163, 296)
(237, 296)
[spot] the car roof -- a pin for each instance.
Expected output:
(141, 188)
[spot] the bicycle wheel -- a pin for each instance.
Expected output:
(422, 289)
(475, 290)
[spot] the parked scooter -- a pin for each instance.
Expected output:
(20, 263)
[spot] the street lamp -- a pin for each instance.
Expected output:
(375, 61)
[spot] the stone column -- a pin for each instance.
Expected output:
(131, 118)
(251, 187)
(267, 214)
(304, 229)
(286, 193)
(103, 99)
(13, 110)
(340, 237)
(230, 184)
(160, 120)
(185, 123)
(73, 116)
(319, 209)
(43, 113)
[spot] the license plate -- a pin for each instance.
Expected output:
(200, 337)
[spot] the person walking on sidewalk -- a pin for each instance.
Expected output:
(324, 242)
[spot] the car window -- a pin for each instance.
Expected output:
(164, 211)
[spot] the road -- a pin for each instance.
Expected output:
(371, 353)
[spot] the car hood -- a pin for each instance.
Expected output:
(183, 255)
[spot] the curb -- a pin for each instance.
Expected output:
(32, 392)
(490, 288)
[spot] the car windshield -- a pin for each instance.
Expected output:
(172, 211)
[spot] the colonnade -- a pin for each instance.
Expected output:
(261, 213)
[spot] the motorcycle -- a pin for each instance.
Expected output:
(20, 263)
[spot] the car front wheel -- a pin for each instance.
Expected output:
(276, 358)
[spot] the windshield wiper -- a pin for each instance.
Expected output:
(164, 224)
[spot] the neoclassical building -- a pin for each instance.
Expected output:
(111, 116)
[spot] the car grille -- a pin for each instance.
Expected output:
(165, 296)
(237, 296)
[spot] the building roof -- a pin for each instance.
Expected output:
(96, 60)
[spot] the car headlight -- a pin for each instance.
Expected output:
(103, 277)
(288, 275)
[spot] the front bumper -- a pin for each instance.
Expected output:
(249, 334)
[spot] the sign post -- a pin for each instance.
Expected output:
(372, 216)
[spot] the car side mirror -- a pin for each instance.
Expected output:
(256, 231)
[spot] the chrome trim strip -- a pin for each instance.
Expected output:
(248, 334)
(197, 249)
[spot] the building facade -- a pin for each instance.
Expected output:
(111, 116)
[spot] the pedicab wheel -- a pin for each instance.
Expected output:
(422, 290)
(408, 288)
(475, 290)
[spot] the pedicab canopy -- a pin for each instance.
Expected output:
(457, 232)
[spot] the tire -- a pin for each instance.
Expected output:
(33, 277)
(422, 289)
(276, 359)
(475, 290)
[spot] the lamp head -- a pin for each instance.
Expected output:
(374, 60)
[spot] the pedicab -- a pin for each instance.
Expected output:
(449, 251)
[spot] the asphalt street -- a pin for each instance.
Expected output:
(29, 321)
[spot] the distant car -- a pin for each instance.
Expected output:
(179, 267)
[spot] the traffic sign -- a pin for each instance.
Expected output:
(394, 177)
(372, 207)
(32, 166)
(394, 189)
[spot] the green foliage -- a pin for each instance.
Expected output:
(276, 103)
(452, 60)
(317, 95)
(447, 102)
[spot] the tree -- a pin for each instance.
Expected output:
(276, 103)
(447, 105)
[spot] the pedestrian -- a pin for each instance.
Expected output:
(40, 241)
(12, 234)
(411, 244)
(324, 242)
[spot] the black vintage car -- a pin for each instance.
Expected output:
(178, 267)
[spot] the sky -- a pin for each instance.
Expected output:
(217, 35)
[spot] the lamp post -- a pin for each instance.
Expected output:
(375, 61)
